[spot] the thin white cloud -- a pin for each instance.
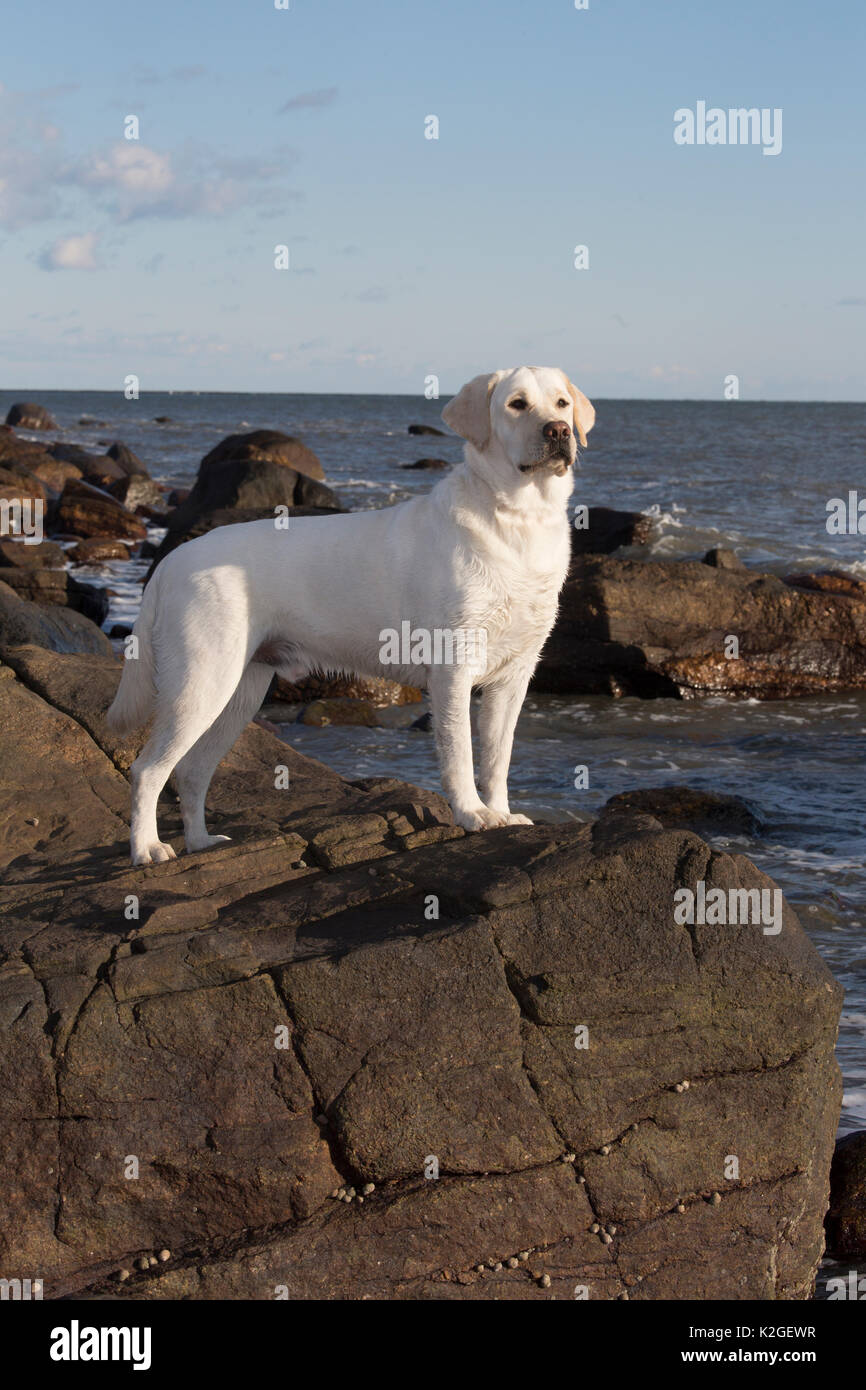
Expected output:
(78, 252)
(323, 96)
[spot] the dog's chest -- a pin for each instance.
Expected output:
(523, 597)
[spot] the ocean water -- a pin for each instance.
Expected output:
(750, 475)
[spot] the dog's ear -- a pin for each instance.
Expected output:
(468, 414)
(584, 414)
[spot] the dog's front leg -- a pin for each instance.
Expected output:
(501, 703)
(450, 690)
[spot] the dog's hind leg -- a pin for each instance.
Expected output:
(191, 698)
(193, 773)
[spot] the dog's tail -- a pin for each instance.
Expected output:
(136, 695)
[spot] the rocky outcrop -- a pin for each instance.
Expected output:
(29, 416)
(342, 1056)
(49, 622)
(265, 446)
(97, 550)
(605, 529)
(425, 429)
(431, 464)
(85, 510)
(320, 687)
(846, 1219)
(652, 628)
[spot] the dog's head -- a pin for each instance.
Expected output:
(529, 417)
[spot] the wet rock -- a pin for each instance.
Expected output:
(87, 511)
(97, 550)
(377, 692)
(608, 529)
(723, 559)
(71, 453)
(29, 416)
(128, 461)
(427, 464)
(265, 446)
(322, 712)
(305, 953)
(690, 808)
(40, 463)
(17, 482)
(137, 491)
(21, 556)
(46, 624)
(663, 628)
(846, 1218)
(425, 429)
(103, 471)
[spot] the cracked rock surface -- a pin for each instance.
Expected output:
(352, 997)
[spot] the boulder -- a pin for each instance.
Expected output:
(86, 510)
(425, 429)
(46, 624)
(40, 463)
(102, 471)
(20, 556)
(265, 446)
(846, 1219)
(97, 550)
(335, 1092)
(722, 559)
(663, 628)
(379, 692)
(71, 453)
(250, 484)
(431, 464)
(57, 586)
(28, 416)
(128, 461)
(136, 491)
(690, 808)
(17, 482)
(608, 529)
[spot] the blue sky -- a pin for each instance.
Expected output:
(411, 257)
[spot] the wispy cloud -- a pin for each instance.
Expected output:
(323, 96)
(852, 302)
(71, 253)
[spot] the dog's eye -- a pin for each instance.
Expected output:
(561, 403)
(517, 404)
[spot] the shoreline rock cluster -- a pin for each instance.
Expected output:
(629, 624)
(290, 1033)
(338, 1055)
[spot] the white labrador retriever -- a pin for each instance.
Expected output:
(448, 591)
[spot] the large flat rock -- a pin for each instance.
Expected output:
(355, 997)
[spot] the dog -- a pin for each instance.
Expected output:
(485, 553)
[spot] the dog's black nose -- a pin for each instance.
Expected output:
(556, 431)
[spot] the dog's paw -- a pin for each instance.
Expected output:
(155, 853)
(206, 842)
(516, 819)
(482, 818)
